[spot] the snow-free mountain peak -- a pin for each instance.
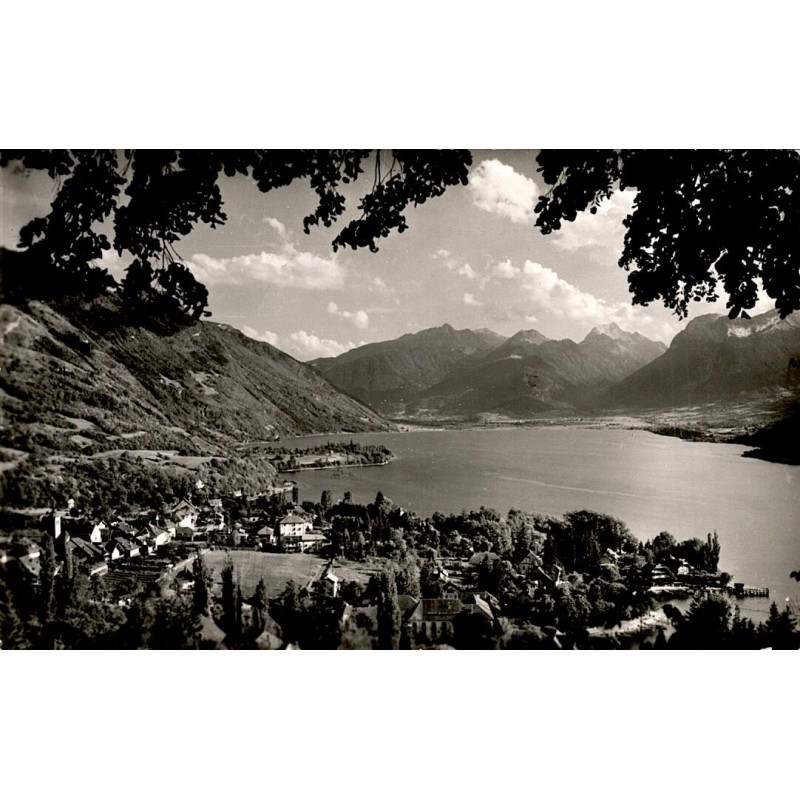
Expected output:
(612, 330)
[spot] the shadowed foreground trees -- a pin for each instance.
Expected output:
(703, 222)
(712, 623)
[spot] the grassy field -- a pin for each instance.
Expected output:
(278, 569)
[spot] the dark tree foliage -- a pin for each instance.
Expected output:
(712, 624)
(388, 612)
(228, 596)
(175, 625)
(170, 191)
(310, 622)
(701, 219)
(202, 586)
(260, 605)
(47, 590)
(13, 635)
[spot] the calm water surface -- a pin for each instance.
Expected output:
(653, 483)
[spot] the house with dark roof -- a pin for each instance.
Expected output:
(88, 556)
(432, 618)
(529, 562)
(122, 547)
(475, 604)
(267, 535)
(479, 559)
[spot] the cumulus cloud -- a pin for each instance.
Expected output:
(286, 266)
(469, 300)
(602, 231)
(261, 336)
(467, 271)
(277, 225)
(500, 189)
(550, 293)
(455, 266)
(359, 318)
(305, 346)
(505, 269)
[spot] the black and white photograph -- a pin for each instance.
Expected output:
(400, 399)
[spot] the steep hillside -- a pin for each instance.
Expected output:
(89, 380)
(396, 370)
(715, 359)
(529, 374)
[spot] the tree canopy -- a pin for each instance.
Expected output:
(703, 222)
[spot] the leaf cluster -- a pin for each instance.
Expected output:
(702, 220)
(169, 192)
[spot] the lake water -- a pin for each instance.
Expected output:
(653, 483)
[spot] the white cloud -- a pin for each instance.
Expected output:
(261, 336)
(305, 346)
(114, 263)
(453, 265)
(277, 225)
(505, 269)
(500, 189)
(469, 300)
(359, 318)
(551, 294)
(290, 268)
(602, 231)
(467, 271)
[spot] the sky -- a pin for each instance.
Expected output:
(471, 258)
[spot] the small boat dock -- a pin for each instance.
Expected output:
(740, 590)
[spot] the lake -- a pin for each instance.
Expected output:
(653, 483)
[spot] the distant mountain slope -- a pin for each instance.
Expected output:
(716, 359)
(396, 370)
(89, 379)
(529, 374)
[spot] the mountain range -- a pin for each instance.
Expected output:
(715, 359)
(86, 378)
(395, 371)
(445, 373)
(449, 373)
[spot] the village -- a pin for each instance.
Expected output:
(492, 579)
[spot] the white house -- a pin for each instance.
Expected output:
(293, 525)
(96, 532)
(184, 514)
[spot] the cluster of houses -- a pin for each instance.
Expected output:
(95, 546)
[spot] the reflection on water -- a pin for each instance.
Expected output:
(653, 483)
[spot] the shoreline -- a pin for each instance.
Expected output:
(335, 466)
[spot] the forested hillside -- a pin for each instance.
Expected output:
(82, 383)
